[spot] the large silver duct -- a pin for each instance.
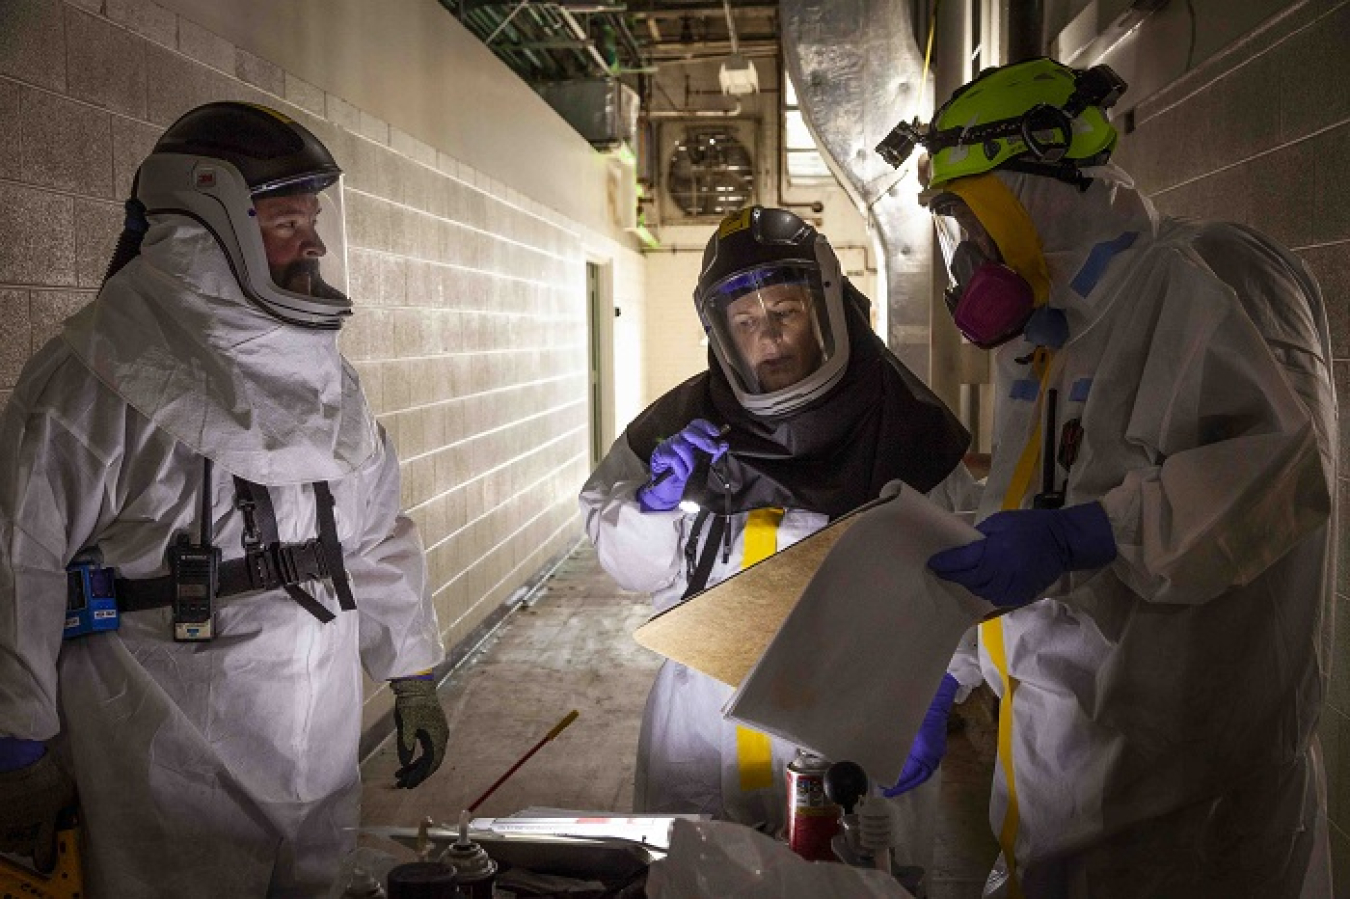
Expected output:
(857, 69)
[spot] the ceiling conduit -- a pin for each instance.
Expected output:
(856, 67)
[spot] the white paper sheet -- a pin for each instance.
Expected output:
(855, 665)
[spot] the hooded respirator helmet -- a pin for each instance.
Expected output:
(270, 194)
(771, 299)
(1037, 117)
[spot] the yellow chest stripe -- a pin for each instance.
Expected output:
(991, 632)
(754, 751)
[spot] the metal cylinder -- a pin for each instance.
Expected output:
(812, 819)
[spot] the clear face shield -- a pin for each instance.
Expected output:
(989, 302)
(771, 326)
(304, 240)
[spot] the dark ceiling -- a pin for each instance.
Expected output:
(562, 41)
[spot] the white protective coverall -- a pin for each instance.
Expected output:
(226, 768)
(1164, 708)
(687, 752)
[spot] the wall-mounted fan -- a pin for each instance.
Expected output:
(710, 169)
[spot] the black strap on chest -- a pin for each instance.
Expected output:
(332, 547)
(699, 566)
(267, 563)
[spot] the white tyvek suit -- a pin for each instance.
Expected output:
(687, 752)
(226, 768)
(1164, 713)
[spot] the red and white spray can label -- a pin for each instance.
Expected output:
(812, 819)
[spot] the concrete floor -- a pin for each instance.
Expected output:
(571, 649)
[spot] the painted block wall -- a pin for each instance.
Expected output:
(470, 334)
(1258, 134)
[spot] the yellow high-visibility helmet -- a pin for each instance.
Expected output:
(1034, 116)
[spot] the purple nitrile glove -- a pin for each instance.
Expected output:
(930, 743)
(16, 753)
(1026, 550)
(673, 461)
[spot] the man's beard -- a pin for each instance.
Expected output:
(302, 276)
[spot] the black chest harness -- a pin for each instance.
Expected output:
(267, 563)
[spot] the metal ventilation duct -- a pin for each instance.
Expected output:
(856, 67)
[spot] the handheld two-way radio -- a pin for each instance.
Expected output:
(195, 568)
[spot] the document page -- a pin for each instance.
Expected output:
(854, 666)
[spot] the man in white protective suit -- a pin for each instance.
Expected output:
(194, 438)
(802, 416)
(1168, 572)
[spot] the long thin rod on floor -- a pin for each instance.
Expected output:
(557, 729)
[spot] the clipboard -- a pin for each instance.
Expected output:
(723, 630)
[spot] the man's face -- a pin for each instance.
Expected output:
(290, 236)
(773, 331)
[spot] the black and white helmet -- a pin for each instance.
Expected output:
(241, 168)
(771, 299)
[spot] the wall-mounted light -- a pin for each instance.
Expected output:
(738, 76)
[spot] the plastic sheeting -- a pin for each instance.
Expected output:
(721, 860)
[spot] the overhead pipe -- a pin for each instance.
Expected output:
(695, 113)
(715, 49)
(629, 39)
(483, 22)
(547, 18)
(1025, 30)
(487, 41)
(731, 26)
(661, 11)
(580, 33)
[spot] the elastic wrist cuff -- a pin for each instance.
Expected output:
(1095, 543)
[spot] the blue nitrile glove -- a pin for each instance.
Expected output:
(1026, 550)
(673, 462)
(930, 743)
(16, 753)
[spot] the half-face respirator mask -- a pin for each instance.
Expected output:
(989, 302)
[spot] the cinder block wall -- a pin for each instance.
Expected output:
(1260, 134)
(470, 334)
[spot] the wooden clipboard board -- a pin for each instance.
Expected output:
(723, 630)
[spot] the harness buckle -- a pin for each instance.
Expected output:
(299, 562)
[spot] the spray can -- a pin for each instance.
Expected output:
(476, 872)
(425, 878)
(812, 819)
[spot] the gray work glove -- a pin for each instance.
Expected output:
(418, 722)
(31, 799)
